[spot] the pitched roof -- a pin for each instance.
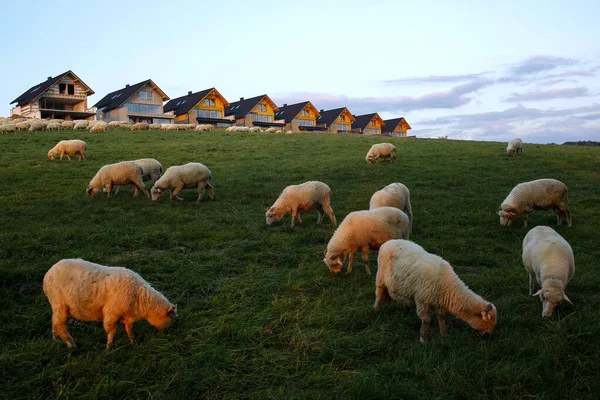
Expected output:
(328, 117)
(289, 112)
(241, 108)
(391, 124)
(40, 88)
(184, 104)
(115, 99)
(362, 121)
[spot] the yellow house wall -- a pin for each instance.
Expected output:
(190, 117)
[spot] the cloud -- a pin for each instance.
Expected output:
(552, 94)
(433, 79)
(536, 64)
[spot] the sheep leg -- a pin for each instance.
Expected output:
(381, 293)
(201, 190)
(294, 212)
(211, 191)
(129, 329)
(423, 313)
(299, 218)
(531, 284)
(568, 215)
(61, 155)
(175, 192)
(68, 156)
(329, 212)
(365, 258)
(350, 261)
(108, 189)
(441, 321)
(136, 191)
(525, 216)
(59, 325)
(321, 214)
(110, 326)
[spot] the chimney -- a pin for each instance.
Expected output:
(49, 77)
(127, 85)
(285, 104)
(322, 110)
(241, 99)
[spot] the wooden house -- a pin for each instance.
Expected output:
(395, 127)
(142, 102)
(336, 120)
(299, 117)
(64, 96)
(204, 107)
(370, 124)
(255, 111)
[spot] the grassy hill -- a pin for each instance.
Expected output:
(260, 315)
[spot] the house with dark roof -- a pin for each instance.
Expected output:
(395, 127)
(299, 117)
(336, 120)
(255, 111)
(64, 96)
(204, 107)
(370, 124)
(142, 102)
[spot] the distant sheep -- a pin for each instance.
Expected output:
(393, 195)
(151, 170)
(204, 128)
(140, 126)
(119, 174)
(271, 130)
(548, 258)
(93, 292)
(68, 124)
(241, 129)
(23, 126)
(81, 125)
(255, 129)
(410, 275)
(363, 231)
(99, 127)
(37, 126)
(8, 128)
(179, 177)
(172, 127)
(381, 150)
(231, 129)
(68, 148)
(541, 194)
(515, 147)
(312, 195)
(155, 127)
(114, 124)
(53, 126)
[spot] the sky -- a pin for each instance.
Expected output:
(465, 69)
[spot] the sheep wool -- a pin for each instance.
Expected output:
(140, 126)
(37, 126)
(549, 260)
(381, 150)
(68, 124)
(68, 148)
(363, 231)
(515, 147)
(119, 174)
(312, 195)
(410, 275)
(93, 292)
(81, 125)
(393, 195)
(179, 177)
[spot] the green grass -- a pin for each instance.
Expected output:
(260, 316)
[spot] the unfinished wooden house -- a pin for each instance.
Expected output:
(204, 107)
(255, 111)
(336, 120)
(369, 124)
(64, 96)
(395, 127)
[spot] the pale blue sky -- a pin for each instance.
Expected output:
(485, 70)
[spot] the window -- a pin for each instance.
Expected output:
(342, 117)
(116, 95)
(143, 108)
(207, 102)
(71, 89)
(62, 87)
(260, 117)
(340, 127)
(142, 95)
(149, 96)
(304, 122)
(371, 131)
(212, 103)
(208, 113)
(161, 121)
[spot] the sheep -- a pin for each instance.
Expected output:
(515, 147)
(94, 292)
(203, 128)
(381, 150)
(180, 177)
(91, 125)
(306, 196)
(114, 124)
(410, 275)
(541, 194)
(271, 130)
(121, 173)
(60, 121)
(287, 132)
(68, 124)
(231, 129)
(155, 126)
(393, 195)
(8, 128)
(68, 148)
(241, 129)
(125, 125)
(37, 126)
(140, 126)
(23, 126)
(99, 127)
(53, 126)
(172, 127)
(151, 168)
(255, 129)
(362, 231)
(548, 258)
(81, 125)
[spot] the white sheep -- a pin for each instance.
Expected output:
(93, 292)
(203, 128)
(363, 231)
(312, 195)
(38, 126)
(179, 177)
(151, 168)
(548, 258)
(255, 129)
(53, 126)
(541, 194)
(515, 147)
(393, 195)
(155, 127)
(68, 124)
(271, 130)
(68, 148)
(381, 150)
(23, 126)
(172, 127)
(241, 129)
(119, 174)
(125, 125)
(8, 128)
(91, 125)
(410, 275)
(140, 126)
(81, 125)
(114, 124)
(99, 127)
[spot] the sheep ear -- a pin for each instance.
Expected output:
(340, 262)
(537, 293)
(484, 316)
(172, 311)
(488, 307)
(567, 299)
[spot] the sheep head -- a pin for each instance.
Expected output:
(161, 319)
(274, 214)
(485, 321)
(552, 296)
(334, 262)
(51, 155)
(93, 192)
(507, 214)
(156, 192)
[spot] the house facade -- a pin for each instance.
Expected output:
(255, 111)
(369, 124)
(336, 120)
(299, 117)
(63, 96)
(204, 107)
(142, 102)
(396, 127)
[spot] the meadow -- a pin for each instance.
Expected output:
(260, 315)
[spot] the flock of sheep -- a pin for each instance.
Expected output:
(406, 272)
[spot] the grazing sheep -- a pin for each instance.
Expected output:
(140, 126)
(393, 195)
(93, 292)
(255, 129)
(68, 124)
(172, 127)
(91, 125)
(362, 231)
(155, 127)
(203, 128)
(241, 129)
(410, 275)
(53, 126)
(312, 195)
(37, 126)
(179, 177)
(125, 125)
(287, 132)
(548, 258)
(114, 124)
(81, 125)
(23, 126)
(119, 174)
(8, 128)
(515, 147)
(99, 127)
(381, 150)
(541, 194)
(152, 170)
(231, 129)
(68, 148)
(271, 130)
(60, 121)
